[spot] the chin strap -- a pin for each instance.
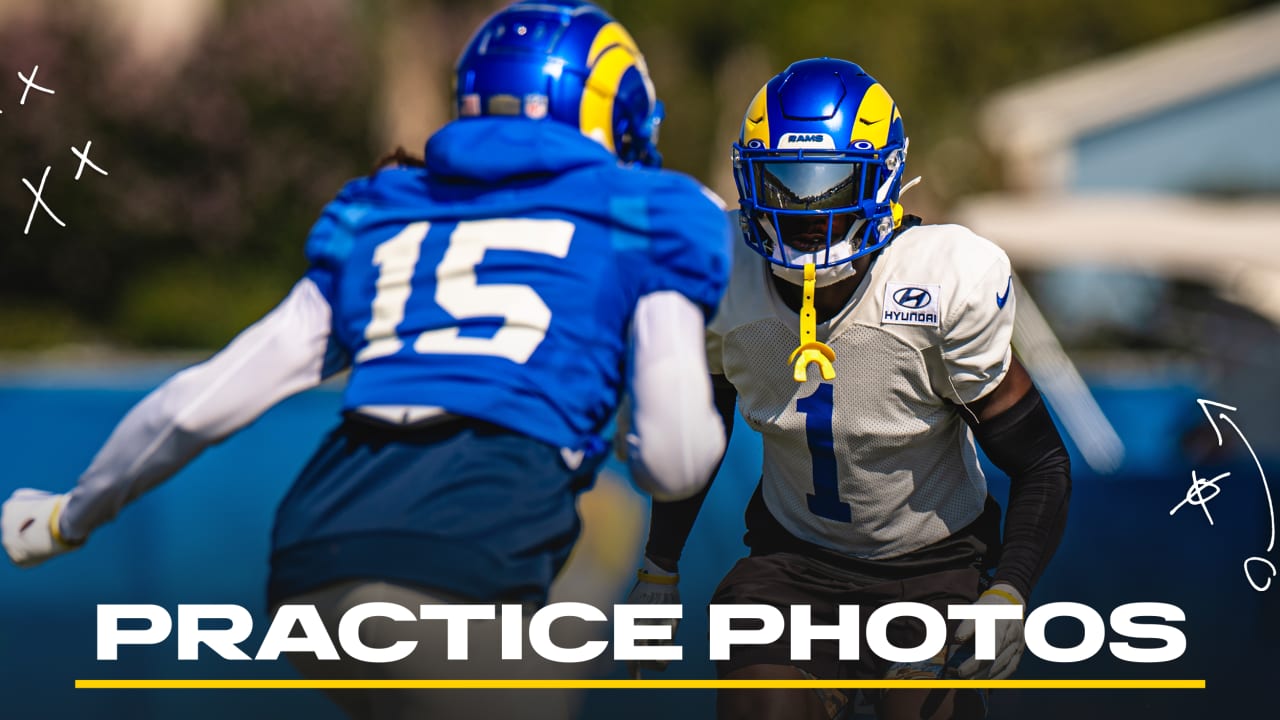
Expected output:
(810, 350)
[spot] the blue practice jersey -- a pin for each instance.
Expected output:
(499, 281)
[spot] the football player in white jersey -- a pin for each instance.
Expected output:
(870, 352)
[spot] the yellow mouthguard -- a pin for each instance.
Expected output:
(810, 350)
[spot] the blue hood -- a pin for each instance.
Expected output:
(494, 150)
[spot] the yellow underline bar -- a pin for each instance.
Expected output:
(633, 684)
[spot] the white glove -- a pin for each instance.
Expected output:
(29, 521)
(654, 586)
(1008, 636)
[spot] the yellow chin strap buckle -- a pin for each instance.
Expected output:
(810, 350)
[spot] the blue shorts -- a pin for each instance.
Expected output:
(461, 506)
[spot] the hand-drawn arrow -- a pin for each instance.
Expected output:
(1204, 405)
(1249, 563)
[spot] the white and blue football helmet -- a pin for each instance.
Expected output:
(567, 61)
(819, 166)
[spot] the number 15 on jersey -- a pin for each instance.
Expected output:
(523, 314)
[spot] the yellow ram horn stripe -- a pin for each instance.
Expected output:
(612, 54)
(608, 36)
(755, 126)
(876, 113)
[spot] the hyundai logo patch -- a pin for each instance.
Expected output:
(909, 303)
(912, 297)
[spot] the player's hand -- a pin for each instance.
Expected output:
(654, 586)
(29, 521)
(1009, 640)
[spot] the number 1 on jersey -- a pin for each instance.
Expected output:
(825, 500)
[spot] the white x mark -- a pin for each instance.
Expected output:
(84, 159)
(31, 83)
(39, 201)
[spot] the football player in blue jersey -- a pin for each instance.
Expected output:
(492, 304)
(900, 359)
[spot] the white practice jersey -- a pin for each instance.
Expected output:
(877, 462)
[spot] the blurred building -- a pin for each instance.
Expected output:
(1143, 208)
(1164, 159)
(1143, 215)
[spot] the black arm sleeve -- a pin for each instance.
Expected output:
(1023, 442)
(671, 522)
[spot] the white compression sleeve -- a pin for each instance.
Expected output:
(280, 355)
(676, 437)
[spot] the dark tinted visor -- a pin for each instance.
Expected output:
(813, 186)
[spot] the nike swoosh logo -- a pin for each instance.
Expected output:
(27, 524)
(865, 121)
(1002, 299)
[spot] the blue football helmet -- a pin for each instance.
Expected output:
(819, 165)
(566, 60)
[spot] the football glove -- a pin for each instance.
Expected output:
(29, 520)
(654, 586)
(1009, 640)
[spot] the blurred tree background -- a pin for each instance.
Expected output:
(222, 148)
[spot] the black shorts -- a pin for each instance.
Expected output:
(950, 572)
